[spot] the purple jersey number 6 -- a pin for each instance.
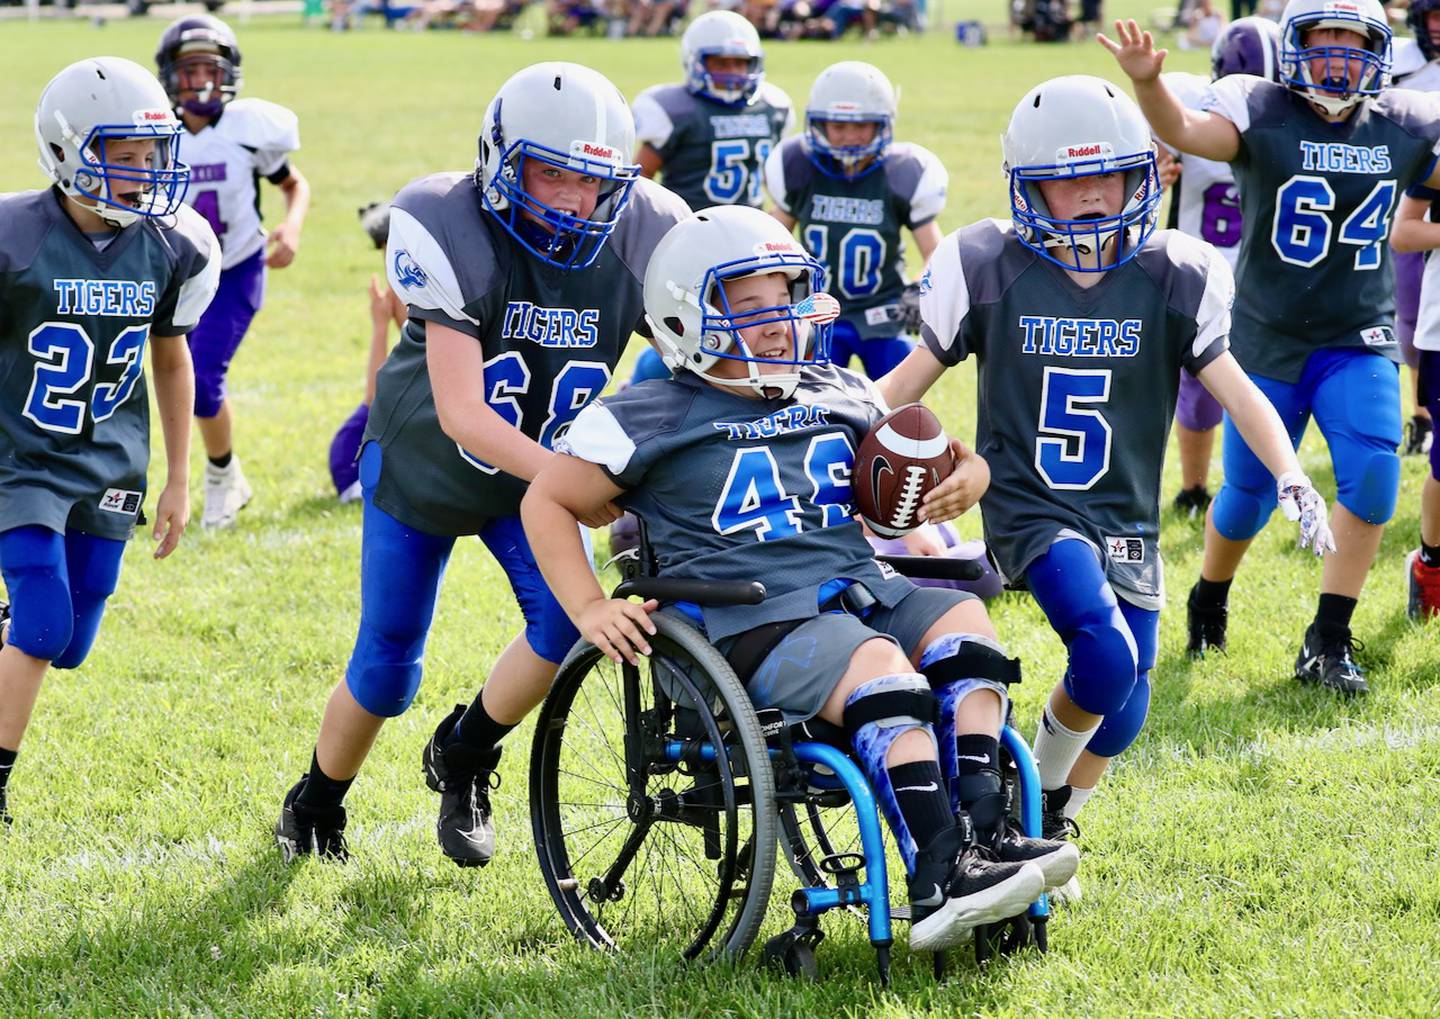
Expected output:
(1220, 217)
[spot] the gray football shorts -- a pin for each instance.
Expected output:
(801, 672)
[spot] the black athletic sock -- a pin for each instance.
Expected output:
(1430, 555)
(481, 732)
(1212, 594)
(7, 763)
(924, 802)
(978, 782)
(222, 461)
(1332, 617)
(320, 789)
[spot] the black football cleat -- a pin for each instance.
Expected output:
(1192, 502)
(309, 831)
(5, 819)
(1057, 859)
(462, 775)
(1206, 624)
(1055, 826)
(1331, 664)
(951, 894)
(1419, 434)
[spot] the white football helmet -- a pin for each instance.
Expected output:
(850, 92)
(569, 117)
(1333, 91)
(102, 100)
(722, 34)
(690, 315)
(1079, 126)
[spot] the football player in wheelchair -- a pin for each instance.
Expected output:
(739, 464)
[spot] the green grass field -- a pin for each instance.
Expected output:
(1263, 849)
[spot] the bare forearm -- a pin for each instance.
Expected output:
(296, 191)
(1415, 235)
(1163, 109)
(554, 535)
(489, 437)
(174, 380)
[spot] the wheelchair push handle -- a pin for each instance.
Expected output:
(926, 567)
(701, 592)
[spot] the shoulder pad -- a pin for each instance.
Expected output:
(24, 224)
(258, 124)
(653, 209)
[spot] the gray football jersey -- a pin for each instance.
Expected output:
(1317, 201)
(1077, 386)
(74, 323)
(853, 226)
(734, 488)
(550, 339)
(714, 154)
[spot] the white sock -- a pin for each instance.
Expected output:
(1057, 749)
(1077, 799)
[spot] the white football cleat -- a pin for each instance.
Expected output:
(226, 494)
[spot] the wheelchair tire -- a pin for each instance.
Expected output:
(637, 847)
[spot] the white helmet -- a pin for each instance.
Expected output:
(107, 99)
(569, 117)
(689, 313)
(722, 34)
(850, 92)
(1079, 126)
(1333, 92)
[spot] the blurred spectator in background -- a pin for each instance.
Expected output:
(1201, 26)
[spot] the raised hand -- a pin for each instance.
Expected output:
(1134, 50)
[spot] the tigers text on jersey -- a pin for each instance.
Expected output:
(74, 322)
(550, 339)
(249, 140)
(1077, 386)
(1209, 201)
(853, 226)
(713, 154)
(735, 488)
(1315, 267)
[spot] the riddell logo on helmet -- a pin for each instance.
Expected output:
(589, 150)
(1342, 8)
(844, 107)
(153, 116)
(1078, 153)
(775, 248)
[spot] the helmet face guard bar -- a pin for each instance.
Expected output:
(1334, 83)
(809, 316)
(574, 241)
(844, 162)
(1040, 232)
(162, 185)
(209, 101)
(723, 87)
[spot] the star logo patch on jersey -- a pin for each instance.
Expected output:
(1378, 336)
(119, 500)
(1125, 550)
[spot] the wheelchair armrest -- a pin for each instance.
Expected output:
(933, 567)
(701, 592)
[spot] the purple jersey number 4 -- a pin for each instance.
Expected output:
(207, 203)
(1219, 217)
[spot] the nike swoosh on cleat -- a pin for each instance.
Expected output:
(977, 760)
(928, 787)
(933, 899)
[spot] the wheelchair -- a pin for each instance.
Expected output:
(659, 797)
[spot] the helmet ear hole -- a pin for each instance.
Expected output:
(676, 326)
(58, 152)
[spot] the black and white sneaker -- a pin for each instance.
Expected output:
(1192, 502)
(1331, 663)
(1206, 624)
(951, 895)
(308, 831)
(5, 819)
(1055, 826)
(463, 777)
(1418, 436)
(1058, 860)
(4, 620)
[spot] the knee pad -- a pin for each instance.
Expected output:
(956, 665)
(41, 617)
(1120, 728)
(1239, 513)
(93, 565)
(384, 670)
(1370, 493)
(876, 714)
(1103, 665)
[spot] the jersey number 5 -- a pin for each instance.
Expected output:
(734, 176)
(1072, 449)
(1301, 232)
(65, 361)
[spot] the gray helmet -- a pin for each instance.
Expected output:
(722, 34)
(569, 117)
(1332, 92)
(1078, 126)
(686, 305)
(108, 99)
(855, 92)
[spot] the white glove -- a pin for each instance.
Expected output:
(1299, 501)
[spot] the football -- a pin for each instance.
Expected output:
(900, 461)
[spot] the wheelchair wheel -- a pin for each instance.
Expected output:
(821, 827)
(646, 834)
